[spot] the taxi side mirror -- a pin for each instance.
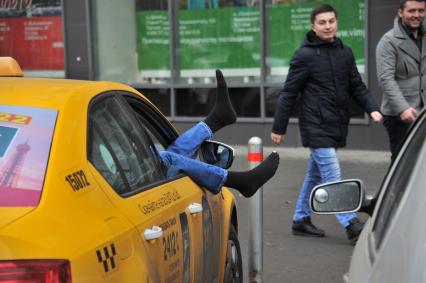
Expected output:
(337, 197)
(216, 153)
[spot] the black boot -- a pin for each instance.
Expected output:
(354, 229)
(248, 182)
(305, 227)
(223, 112)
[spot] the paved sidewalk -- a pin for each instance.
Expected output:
(296, 259)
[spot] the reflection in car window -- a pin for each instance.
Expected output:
(398, 184)
(152, 133)
(153, 122)
(120, 149)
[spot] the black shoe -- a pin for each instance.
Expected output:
(306, 228)
(354, 229)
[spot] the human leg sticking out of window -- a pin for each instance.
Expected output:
(180, 155)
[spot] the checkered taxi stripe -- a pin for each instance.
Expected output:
(106, 257)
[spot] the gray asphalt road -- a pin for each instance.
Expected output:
(296, 259)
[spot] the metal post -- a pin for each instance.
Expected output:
(255, 156)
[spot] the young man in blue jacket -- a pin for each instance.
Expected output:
(323, 71)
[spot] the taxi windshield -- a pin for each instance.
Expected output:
(25, 139)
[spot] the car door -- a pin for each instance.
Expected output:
(168, 214)
(206, 231)
(393, 247)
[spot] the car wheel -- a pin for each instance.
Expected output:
(233, 264)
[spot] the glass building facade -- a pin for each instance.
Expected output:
(169, 50)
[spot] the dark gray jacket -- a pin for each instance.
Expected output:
(401, 71)
(326, 77)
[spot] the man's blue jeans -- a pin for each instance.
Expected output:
(323, 167)
(180, 157)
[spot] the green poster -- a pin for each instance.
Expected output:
(229, 38)
(153, 40)
(224, 38)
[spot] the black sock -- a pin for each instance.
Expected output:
(248, 182)
(223, 113)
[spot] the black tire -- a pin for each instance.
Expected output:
(233, 264)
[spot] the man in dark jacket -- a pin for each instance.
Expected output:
(324, 72)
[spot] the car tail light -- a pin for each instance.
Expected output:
(35, 271)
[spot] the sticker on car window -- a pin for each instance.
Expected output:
(107, 158)
(25, 140)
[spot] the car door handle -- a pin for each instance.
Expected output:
(153, 233)
(195, 208)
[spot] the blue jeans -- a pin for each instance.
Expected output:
(180, 157)
(323, 167)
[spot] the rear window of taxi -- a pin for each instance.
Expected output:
(25, 141)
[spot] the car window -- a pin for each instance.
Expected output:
(154, 123)
(153, 136)
(398, 183)
(120, 149)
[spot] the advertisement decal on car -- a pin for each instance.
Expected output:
(25, 140)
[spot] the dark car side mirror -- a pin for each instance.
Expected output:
(216, 153)
(337, 197)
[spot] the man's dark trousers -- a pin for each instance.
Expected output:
(397, 129)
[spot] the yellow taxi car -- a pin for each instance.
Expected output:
(84, 198)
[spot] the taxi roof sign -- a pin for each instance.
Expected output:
(10, 68)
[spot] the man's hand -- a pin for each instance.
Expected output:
(376, 116)
(409, 115)
(277, 139)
